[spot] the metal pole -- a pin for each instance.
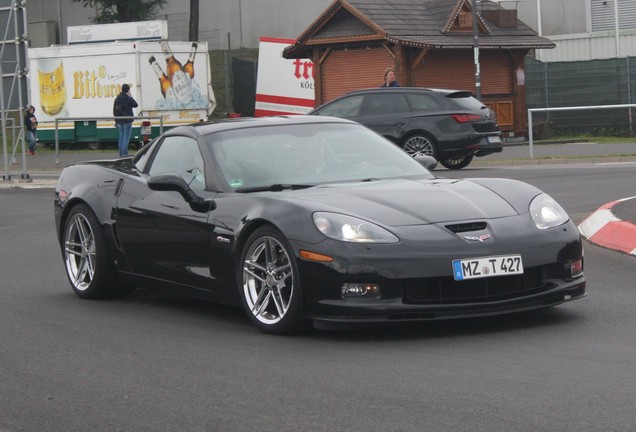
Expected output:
(547, 87)
(5, 145)
(57, 141)
(240, 22)
(59, 21)
(629, 94)
(20, 72)
(476, 49)
(4, 109)
(539, 23)
(530, 134)
(617, 29)
(539, 28)
(228, 59)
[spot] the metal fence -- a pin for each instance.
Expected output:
(108, 118)
(548, 85)
(610, 82)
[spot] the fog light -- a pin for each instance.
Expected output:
(357, 290)
(576, 268)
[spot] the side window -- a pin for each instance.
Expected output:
(180, 155)
(387, 103)
(140, 159)
(347, 107)
(421, 102)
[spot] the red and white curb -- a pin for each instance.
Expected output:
(606, 230)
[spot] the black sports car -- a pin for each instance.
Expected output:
(312, 218)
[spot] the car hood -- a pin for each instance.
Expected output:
(415, 202)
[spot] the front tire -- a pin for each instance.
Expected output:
(86, 259)
(269, 283)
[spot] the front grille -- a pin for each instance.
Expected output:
(446, 290)
(466, 227)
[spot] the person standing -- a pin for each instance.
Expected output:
(123, 107)
(389, 78)
(31, 123)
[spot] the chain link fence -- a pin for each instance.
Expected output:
(581, 83)
(234, 81)
(548, 85)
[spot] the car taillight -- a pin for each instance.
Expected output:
(466, 118)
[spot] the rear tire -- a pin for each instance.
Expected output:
(86, 259)
(457, 162)
(94, 145)
(420, 144)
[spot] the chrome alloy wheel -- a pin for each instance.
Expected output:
(268, 280)
(419, 145)
(79, 252)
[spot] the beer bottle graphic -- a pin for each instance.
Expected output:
(189, 66)
(52, 86)
(177, 76)
(166, 87)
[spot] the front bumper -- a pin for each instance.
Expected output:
(396, 310)
(416, 282)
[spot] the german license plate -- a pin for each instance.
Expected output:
(473, 268)
(494, 139)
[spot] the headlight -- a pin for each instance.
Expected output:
(351, 229)
(546, 212)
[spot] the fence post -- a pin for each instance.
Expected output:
(629, 94)
(530, 134)
(547, 87)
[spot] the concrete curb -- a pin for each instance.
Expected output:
(606, 230)
(28, 184)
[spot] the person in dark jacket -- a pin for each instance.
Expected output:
(31, 124)
(389, 78)
(123, 107)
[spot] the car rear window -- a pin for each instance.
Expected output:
(465, 100)
(347, 107)
(421, 102)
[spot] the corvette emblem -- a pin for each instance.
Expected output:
(480, 238)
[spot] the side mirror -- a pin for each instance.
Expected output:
(176, 183)
(428, 162)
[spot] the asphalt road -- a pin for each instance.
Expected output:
(161, 363)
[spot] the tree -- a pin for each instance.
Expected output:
(111, 11)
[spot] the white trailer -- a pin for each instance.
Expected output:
(168, 79)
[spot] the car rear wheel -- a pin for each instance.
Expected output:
(457, 162)
(269, 283)
(84, 250)
(420, 144)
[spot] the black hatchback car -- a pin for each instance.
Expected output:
(450, 125)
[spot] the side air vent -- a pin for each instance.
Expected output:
(466, 227)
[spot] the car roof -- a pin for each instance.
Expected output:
(444, 92)
(220, 125)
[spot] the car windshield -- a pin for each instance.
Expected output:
(307, 154)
